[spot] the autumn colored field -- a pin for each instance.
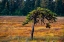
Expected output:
(11, 30)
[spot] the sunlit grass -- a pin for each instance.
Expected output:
(15, 32)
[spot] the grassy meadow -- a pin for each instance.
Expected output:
(11, 30)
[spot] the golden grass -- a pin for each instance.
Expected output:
(11, 28)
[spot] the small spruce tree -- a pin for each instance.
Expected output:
(40, 14)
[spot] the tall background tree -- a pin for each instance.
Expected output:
(44, 3)
(63, 7)
(58, 7)
(37, 3)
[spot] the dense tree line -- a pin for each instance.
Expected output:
(23, 7)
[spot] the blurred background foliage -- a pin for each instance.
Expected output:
(23, 7)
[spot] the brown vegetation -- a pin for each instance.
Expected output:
(12, 26)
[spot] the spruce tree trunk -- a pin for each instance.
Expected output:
(32, 32)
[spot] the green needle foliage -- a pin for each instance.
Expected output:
(40, 14)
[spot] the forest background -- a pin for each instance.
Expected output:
(23, 7)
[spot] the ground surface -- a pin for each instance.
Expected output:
(11, 30)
